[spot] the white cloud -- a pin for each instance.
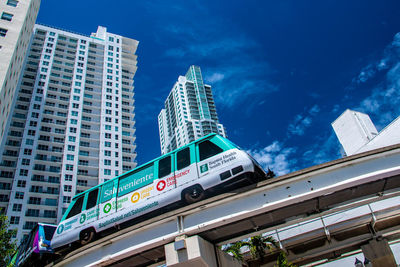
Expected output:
(275, 157)
(302, 121)
(384, 101)
(324, 149)
(235, 83)
(214, 78)
(366, 73)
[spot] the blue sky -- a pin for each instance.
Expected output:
(281, 71)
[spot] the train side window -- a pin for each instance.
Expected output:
(208, 149)
(164, 167)
(183, 158)
(92, 199)
(76, 208)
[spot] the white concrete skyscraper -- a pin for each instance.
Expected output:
(72, 125)
(189, 112)
(16, 26)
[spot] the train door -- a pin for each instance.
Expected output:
(165, 175)
(185, 168)
(108, 203)
(91, 210)
(71, 220)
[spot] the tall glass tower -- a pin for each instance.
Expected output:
(72, 125)
(189, 112)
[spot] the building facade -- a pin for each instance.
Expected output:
(357, 133)
(16, 26)
(72, 125)
(189, 112)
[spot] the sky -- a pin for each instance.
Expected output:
(281, 71)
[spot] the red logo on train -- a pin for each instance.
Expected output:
(161, 185)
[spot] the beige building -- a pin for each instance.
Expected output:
(17, 19)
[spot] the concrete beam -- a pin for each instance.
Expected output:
(194, 251)
(379, 253)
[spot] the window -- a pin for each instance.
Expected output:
(107, 172)
(92, 199)
(32, 213)
(69, 167)
(12, 3)
(76, 208)
(183, 158)
(71, 138)
(66, 199)
(23, 172)
(164, 167)
(17, 207)
(6, 16)
(25, 161)
(107, 162)
(21, 183)
(34, 200)
(19, 195)
(70, 157)
(68, 177)
(107, 153)
(208, 149)
(14, 220)
(67, 188)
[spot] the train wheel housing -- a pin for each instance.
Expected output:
(87, 236)
(193, 194)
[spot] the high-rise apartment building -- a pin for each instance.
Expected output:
(189, 112)
(72, 125)
(16, 26)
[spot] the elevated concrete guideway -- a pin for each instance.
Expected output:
(270, 205)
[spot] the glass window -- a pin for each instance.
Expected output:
(183, 158)
(208, 149)
(76, 208)
(12, 3)
(49, 231)
(6, 16)
(164, 167)
(92, 199)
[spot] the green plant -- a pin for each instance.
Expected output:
(257, 245)
(7, 247)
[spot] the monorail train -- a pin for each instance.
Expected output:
(185, 174)
(35, 250)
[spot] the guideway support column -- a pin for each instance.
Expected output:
(194, 251)
(379, 253)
